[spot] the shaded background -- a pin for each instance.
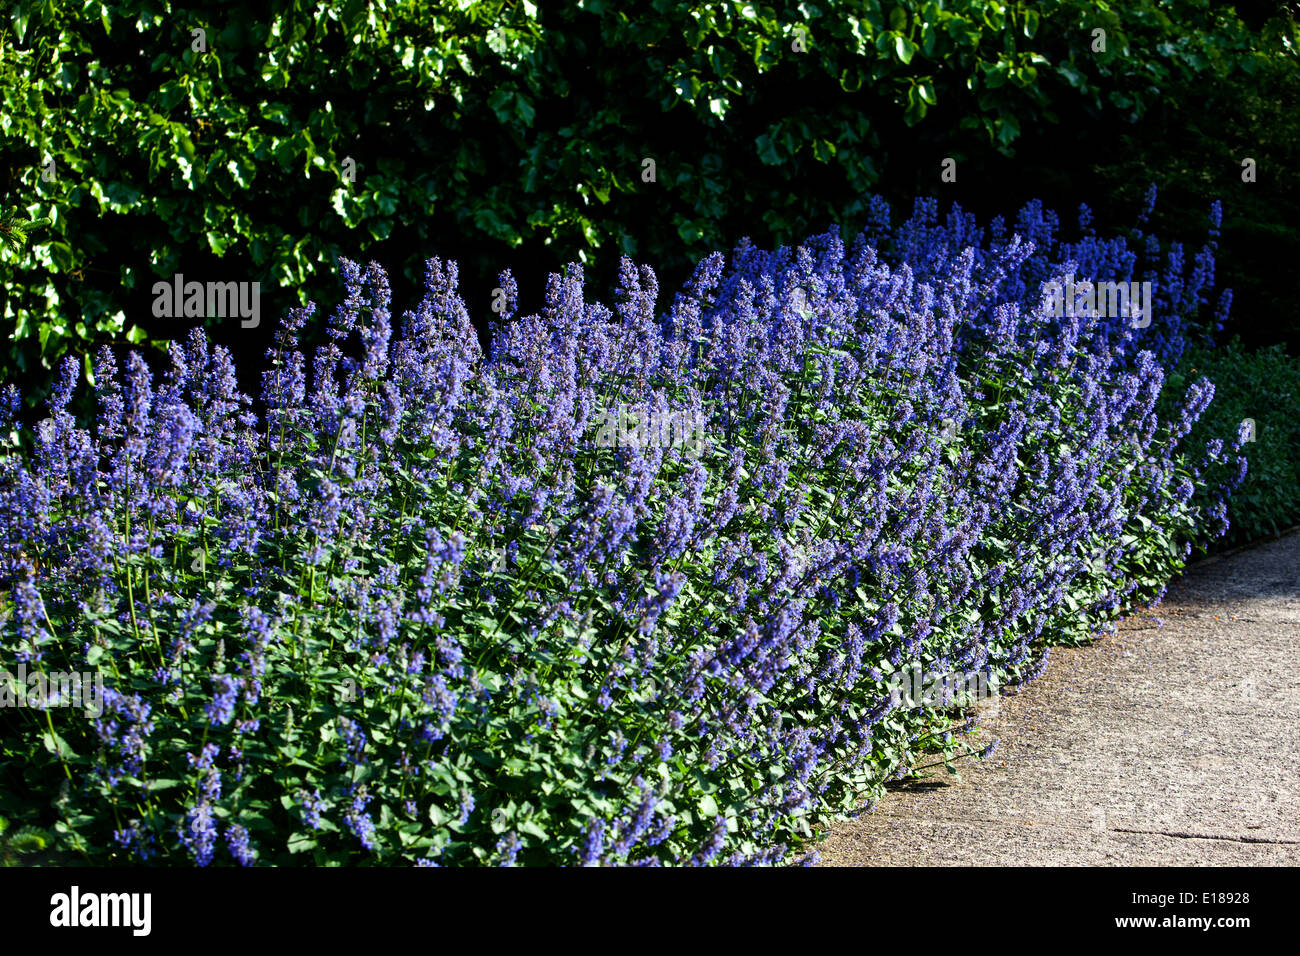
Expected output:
(508, 136)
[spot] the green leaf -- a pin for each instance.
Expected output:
(57, 745)
(301, 842)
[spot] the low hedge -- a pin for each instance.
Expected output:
(1257, 392)
(636, 586)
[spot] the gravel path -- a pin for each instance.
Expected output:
(1162, 746)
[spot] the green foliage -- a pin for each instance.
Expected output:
(19, 846)
(14, 228)
(1194, 145)
(504, 129)
(1263, 386)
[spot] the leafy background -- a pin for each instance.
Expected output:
(505, 135)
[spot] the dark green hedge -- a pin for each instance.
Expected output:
(516, 135)
(1261, 387)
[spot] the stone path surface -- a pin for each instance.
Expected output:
(1173, 745)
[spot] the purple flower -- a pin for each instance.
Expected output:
(237, 841)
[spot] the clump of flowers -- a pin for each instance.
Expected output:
(427, 607)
